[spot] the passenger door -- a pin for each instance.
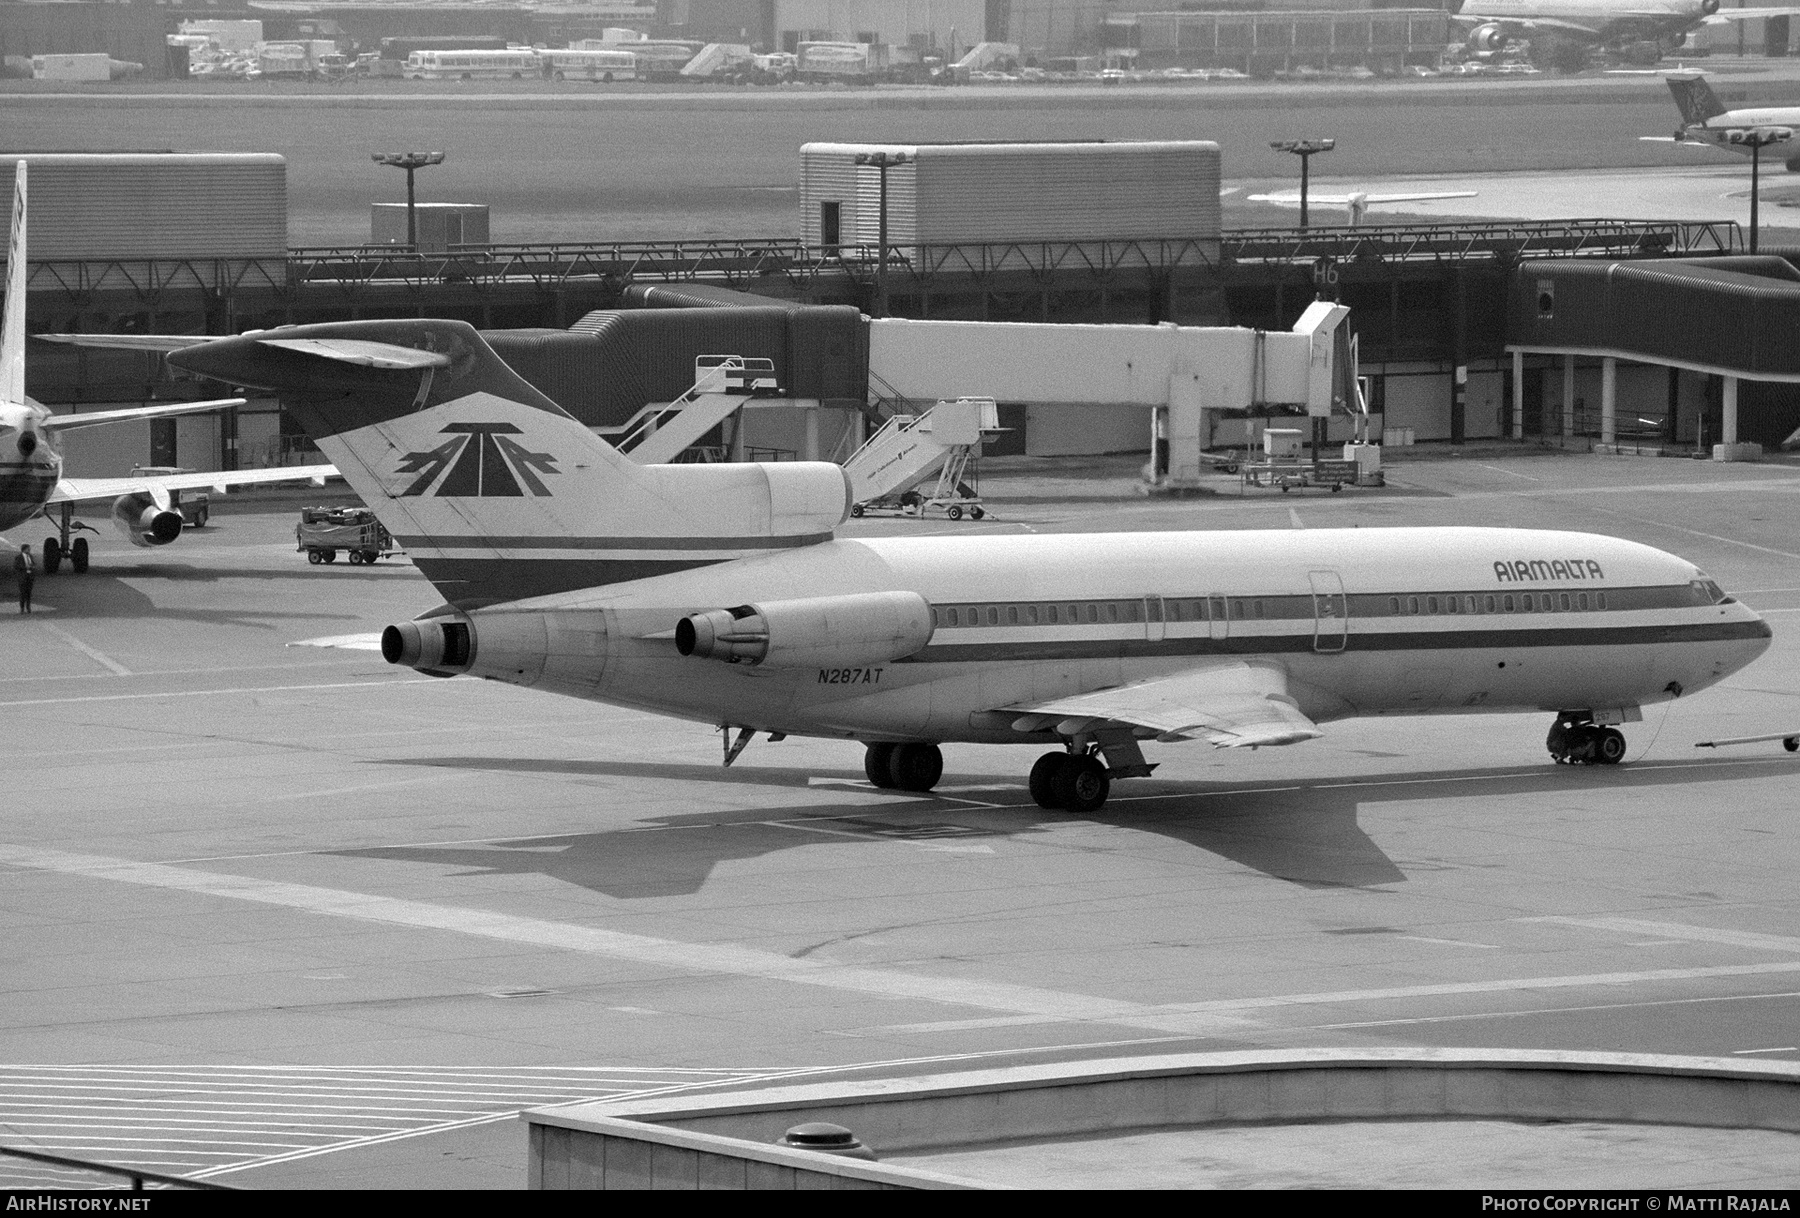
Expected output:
(1330, 613)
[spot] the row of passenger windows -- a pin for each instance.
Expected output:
(1497, 602)
(1106, 613)
(1288, 608)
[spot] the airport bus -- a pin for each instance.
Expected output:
(514, 62)
(607, 66)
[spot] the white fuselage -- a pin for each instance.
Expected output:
(1362, 621)
(1601, 20)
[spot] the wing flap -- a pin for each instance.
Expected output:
(361, 352)
(1231, 706)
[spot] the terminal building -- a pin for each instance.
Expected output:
(1655, 335)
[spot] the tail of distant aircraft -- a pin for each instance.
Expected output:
(12, 330)
(1695, 99)
(495, 491)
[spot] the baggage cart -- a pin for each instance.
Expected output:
(322, 532)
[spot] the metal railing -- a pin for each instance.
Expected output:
(742, 262)
(138, 1176)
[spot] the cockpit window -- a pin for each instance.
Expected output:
(1706, 592)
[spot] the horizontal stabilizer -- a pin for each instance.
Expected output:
(129, 342)
(99, 418)
(361, 352)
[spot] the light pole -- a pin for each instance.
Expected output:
(412, 162)
(883, 161)
(1305, 150)
(1756, 139)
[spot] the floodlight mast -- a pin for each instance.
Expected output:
(882, 161)
(1756, 139)
(1305, 150)
(411, 162)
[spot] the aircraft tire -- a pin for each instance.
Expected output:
(876, 764)
(1043, 779)
(916, 767)
(1609, 746)
(52, 555)
(1082, 785)
(78, 556)
(1791, 744)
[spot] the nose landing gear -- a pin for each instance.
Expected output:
(1577, 740)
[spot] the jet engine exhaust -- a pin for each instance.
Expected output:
(144, 522)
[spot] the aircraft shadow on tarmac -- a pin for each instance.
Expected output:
(1303, 834)
(107, 595)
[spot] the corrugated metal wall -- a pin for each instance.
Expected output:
(972, 193)
(1661, 310)
(612, 362)
(153, 206)
(827, 175)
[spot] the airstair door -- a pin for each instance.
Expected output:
(1331, 618)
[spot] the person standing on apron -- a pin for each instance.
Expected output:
(25, 570)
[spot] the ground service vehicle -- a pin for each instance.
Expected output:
(322, 532)
(606, 66)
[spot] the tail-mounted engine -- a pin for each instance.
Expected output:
(144, 521)
(561, 649)
(821, 631)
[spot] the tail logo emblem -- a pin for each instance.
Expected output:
(482, 461)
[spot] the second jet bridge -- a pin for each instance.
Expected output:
(1177, 372)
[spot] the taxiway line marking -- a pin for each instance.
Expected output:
(206, 693)
(93, 653)
(1509, 473)
(1782, 1049)
(1680, 931)
(1050, 1006)
(1230, 1006)
(1677, 528)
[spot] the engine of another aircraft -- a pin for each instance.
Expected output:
(144, 522)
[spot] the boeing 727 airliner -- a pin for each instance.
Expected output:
(718, 593)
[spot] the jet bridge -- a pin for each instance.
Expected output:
(1178, 372)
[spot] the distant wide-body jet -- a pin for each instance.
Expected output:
(1563, 33)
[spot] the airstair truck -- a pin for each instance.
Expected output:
(888, 473)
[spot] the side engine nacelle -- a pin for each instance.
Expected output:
(144, 521)
(820, 631)
(1485, 39)
(562, 649)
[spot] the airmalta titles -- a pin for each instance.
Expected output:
(1538, 569)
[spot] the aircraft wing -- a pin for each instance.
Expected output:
(1230, 705)
(1749, 14)
(98, 418)
(70, 490)
(1344, 200)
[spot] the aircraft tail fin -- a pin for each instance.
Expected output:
(12, 329)
(495, 491)
(1695, 99)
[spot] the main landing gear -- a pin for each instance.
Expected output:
(1073, 782)
(1077, 780)
(1578, 740)
(905, 767)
